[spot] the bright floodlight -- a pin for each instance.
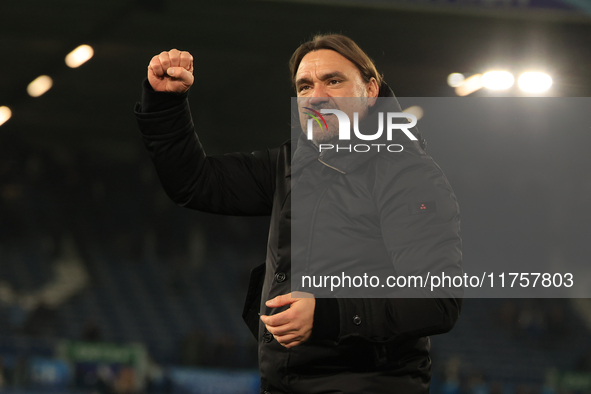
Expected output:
(79, 56)
(534, 82)
(5, 114)
(455, 79)
(39, 86)
(498, 80)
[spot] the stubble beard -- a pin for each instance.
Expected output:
(320, 135)
(327, 137)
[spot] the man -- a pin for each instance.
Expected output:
(322, 345)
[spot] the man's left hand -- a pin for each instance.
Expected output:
(294, 325)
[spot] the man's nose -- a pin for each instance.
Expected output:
(319, 95)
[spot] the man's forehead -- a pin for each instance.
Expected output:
(324, 61)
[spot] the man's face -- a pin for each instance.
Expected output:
(323, 80)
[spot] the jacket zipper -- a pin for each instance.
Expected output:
(311, 232)
(334, 168)
(310, 238)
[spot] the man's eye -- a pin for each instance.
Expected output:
(334, 81)
(304, 87)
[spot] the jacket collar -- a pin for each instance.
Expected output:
(304, 151)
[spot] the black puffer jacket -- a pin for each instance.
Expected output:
(358, 345)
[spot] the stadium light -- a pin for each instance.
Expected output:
(39, 86)
(534, 82)
(455, 79)
(79, 56)
(5, 114)
(497, 80)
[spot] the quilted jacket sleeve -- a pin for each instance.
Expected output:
(230, 184)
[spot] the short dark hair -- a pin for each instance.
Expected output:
(344, 46)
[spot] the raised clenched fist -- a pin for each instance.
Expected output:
(171, 71)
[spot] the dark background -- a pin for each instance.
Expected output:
(241, 51)
(73, 170)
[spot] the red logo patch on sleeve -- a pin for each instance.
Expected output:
(422, 207)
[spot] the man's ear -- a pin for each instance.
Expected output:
(372, 91)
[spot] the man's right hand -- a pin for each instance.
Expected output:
(171, 71)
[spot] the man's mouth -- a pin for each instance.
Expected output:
(324, 115)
